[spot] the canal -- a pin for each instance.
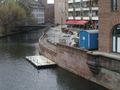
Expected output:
(18, 74)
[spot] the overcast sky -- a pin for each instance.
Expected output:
(50, 1)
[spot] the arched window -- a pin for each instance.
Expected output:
(116, 38)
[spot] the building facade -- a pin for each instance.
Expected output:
(37, 11)
(49, 11)
(109, 26)
(60, 9)
(83, 10)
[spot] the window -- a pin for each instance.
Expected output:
(77, 13)
(95, 3)
(116, 30)
(94, 13)
(77, 5)
(114, 5)
(70, 14)
(71, 5)
(116, 38)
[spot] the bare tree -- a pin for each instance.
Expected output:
(10, 15)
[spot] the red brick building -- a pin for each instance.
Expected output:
(109, 26)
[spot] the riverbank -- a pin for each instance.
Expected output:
(16, 32)
(98, 68)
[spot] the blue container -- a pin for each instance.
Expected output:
(89, 39)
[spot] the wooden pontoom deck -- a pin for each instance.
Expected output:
(41, 62)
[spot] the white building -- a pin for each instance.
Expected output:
(83, 9)
(37, 10)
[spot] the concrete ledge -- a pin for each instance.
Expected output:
(107, 55)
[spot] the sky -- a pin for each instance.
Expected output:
(50, 1)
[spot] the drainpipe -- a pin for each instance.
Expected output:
(81, 9)
(66, 15)
(90, 15)
(74, 12)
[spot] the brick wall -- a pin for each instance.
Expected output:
(74, 60)
(47, 52)
(107, 20)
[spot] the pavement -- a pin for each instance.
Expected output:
(55, 35)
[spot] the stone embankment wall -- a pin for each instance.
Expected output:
(97, 68)
(46, 48)
(74, 60)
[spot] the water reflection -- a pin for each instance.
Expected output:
(73, 82)
(17, 74)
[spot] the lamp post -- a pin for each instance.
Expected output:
(81, 9)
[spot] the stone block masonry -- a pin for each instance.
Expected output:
(74, 60)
